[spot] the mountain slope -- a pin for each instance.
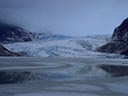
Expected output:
(11, 33)
(6, 52)
(119, 41)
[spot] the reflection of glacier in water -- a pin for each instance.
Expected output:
(59, 71)
(62, 72)
(78, 76)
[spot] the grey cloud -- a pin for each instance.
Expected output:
(72, 17)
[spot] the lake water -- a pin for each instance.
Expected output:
(27, 76)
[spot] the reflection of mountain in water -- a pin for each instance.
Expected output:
(61, 72)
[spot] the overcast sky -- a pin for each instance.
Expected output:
(70, 17)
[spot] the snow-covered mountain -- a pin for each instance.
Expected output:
(56, 46)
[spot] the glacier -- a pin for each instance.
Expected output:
(62, 46)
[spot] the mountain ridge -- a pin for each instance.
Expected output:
(11, 33)
(119, 40)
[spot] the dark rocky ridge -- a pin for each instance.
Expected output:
(119, 41)
(6, 52)
(121, 32)
(11, 33)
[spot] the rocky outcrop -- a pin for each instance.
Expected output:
(6, 52)
(121, 32)
(10, 34)
(119, 41)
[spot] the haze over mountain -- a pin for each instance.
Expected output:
(70, 17)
